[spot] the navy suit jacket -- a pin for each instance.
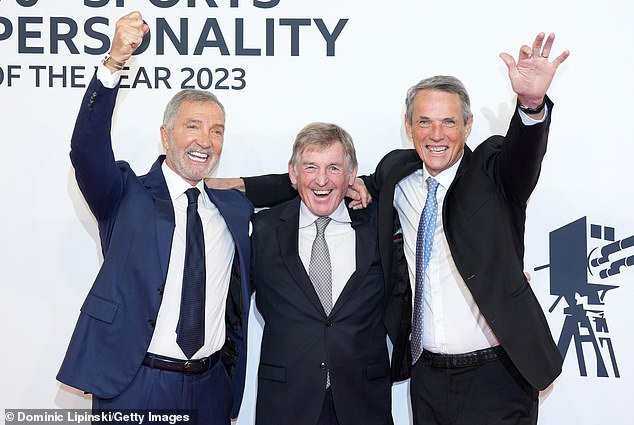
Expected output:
(300, 342)
(136, 224)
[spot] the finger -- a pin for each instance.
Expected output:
(547, 46)
(508, 60)
(559, 59)
(537, 44)
(525, 52)
(355, 205)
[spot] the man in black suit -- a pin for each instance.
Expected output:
(324, 357)
(478, 344)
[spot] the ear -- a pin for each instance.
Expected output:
(468, 126)
(165, 137)
(353, 176)
(408, 127)
(291, 174)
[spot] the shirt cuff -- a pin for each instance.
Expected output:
(107, 78)
(526, 120)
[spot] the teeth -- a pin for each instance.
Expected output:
(437, 149)
(321, 192)
(198, 156)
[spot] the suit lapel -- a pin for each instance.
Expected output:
(154, 181)
(287, 237)
(365, 247)
(386, 208)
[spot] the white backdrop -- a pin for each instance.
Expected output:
(50, 248)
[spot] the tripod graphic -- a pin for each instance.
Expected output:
(585, 323)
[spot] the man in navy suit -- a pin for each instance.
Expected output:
(127, 349)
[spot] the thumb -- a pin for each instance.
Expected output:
(508, 60)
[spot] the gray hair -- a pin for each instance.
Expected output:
(321, 135)
(189, 95)
(443, 83)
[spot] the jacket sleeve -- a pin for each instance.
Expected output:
(269, 190)
(374, 182)
(518, 164)
(96, 171)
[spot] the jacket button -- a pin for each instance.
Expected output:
(150, 323)
(323, 365)
(329, 323)
(159, 290)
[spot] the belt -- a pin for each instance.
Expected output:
(474, 358)
(188, 367)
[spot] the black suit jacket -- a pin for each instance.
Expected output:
(300, 342)
(483, 215)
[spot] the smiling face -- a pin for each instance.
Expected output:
(322, 177)
(437, 129)
(194, 142)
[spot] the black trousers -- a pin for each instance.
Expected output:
(494, 393)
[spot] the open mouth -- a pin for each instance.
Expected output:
(322, 193)
(437, 149)
(197, 156)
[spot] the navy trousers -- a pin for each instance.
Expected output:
(209, 394)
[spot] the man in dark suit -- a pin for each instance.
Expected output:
(482, 347)
(473, 336)
(133, 346)
(324, 357)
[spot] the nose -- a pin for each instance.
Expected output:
(205, 140)
(321, 178)
(436, 132)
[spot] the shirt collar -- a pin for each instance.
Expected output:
(307, 218)
(177, 186)
(445, 177)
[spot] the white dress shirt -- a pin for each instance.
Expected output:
(341, 241)
(452, 321)
(219, 252)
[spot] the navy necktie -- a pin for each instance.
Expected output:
(424, 242)
(191, 321)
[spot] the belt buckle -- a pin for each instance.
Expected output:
(188, 364)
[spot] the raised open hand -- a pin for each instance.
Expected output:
(532, 74)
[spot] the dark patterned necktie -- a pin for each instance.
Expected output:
(191, 322)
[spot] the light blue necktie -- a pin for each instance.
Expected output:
(424, 242)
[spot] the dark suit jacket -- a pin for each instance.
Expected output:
(136, 223)
(483, 215)
(299, 340)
